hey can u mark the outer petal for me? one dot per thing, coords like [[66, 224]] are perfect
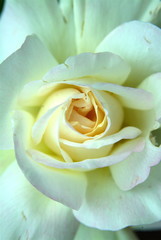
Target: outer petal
[[41, 18], [84, 233], [27, 64], [95, 19], [153, 85], [143, 43], [105, 67], [136, 168], [108, 207], [64, 186], [28, 214], [6, 158]]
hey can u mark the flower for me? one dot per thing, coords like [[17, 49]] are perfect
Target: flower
[[82, 129]]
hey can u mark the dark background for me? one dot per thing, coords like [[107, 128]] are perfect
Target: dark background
[[149, 235], [142, 235]]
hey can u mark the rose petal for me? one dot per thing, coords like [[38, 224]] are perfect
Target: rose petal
[[105, 67], [129, 97], [41, 124], [27, 213], [135, 168], [142, 41], [6, 158], [64, 186], [97, 148], [119, 154], [144, 120], [153, 85], [95, 19], [31, 15], [21, 70], [107, 207], [95, 234]]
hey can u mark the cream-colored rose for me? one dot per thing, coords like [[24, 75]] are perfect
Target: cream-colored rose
[[83, 125]]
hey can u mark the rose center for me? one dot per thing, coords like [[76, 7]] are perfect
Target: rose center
[[85, 113]]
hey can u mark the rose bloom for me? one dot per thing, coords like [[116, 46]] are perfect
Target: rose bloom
[[80, 109]]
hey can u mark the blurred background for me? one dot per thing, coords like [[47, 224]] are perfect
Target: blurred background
[[142, 235]]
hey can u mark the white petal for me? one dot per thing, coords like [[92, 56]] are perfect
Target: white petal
[[65, 186], [129, 97], [95, 19], [6, 158], [143, 43], [135, 169], [107, 207], [153, 85], [84, 233], [105, 67], [27, 64], [41, 18], [28, 214]]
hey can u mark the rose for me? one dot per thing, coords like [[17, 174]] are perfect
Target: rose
[[54, 141], [62, 177]]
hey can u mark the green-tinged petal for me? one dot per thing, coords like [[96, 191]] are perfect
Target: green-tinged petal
[[28, 214], [135, 169], [25, 65], [66, 7], [95, 19], [119, 153], [65, 186], [6, 158], [84, 233], [105, 67], [144, 120], [126, 234], [43, 18], [143, 43], [107, 207], [153, 85]]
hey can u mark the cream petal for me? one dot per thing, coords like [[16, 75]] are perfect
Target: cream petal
[[124, 133], [113, 109], [97, 148], [106, 67], [119, 154], [63, 186], [41, 124], [81, 153]]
